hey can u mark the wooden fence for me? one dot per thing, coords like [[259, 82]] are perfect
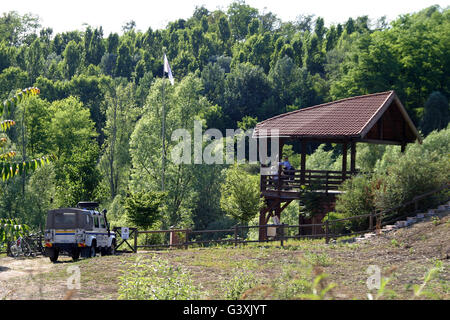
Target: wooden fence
[[283, 232]]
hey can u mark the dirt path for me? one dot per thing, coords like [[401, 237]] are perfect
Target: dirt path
[[20, 267], [23, 271]]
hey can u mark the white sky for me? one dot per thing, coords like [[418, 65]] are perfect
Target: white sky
[[63, 15]]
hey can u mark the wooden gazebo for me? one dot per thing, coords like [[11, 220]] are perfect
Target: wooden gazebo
[[375, 118]]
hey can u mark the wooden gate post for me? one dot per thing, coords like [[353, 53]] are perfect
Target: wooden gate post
[[135, 240], [281, 227], [186, 239]]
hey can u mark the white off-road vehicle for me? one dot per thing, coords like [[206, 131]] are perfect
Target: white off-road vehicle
[[78, 231]]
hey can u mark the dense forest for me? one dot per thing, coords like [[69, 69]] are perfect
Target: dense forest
[[100, 104]]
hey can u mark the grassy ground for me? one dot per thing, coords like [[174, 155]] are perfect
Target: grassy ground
[[264, 272]]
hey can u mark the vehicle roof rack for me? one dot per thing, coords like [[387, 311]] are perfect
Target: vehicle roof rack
[[87, 205]]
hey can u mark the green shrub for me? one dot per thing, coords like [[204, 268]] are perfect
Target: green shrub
[[156, 279], [337, 227], [398, 178], [291, 283], [356, 199], [238, 285], [413, 174], [322, 260]]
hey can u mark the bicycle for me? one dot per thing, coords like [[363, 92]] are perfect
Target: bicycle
[[21, 247]]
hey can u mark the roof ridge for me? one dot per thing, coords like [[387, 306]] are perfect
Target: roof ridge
[[328, 103]]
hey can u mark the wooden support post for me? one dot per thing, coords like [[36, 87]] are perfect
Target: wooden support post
[[353, 157], [262, 221], [344, 160], [378, 224], [135, 240], [301, 220], [186, 239], [235, 235], [280, 149], [303, 163], [281, 228], [327, 230], [371, 221]]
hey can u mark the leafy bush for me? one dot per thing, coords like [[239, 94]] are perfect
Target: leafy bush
[[240, 196], [238, 285], [420, 169], [314, 259], [144, 208], [398, 178], [337, 227], [156, 279], [291, 284], [357, 199]]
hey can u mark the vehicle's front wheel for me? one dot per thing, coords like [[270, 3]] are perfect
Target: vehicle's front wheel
[[92, 251], [112, 249], [75, 254]]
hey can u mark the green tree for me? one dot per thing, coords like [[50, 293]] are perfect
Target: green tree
[[9, 167], [224, 29], [240, 196], [11, 79], [121, 115], [183, 104], [240, 16], [247, 90], [18, 29], [143, 208], [72, 58], [94, 47], [436, 113], [7, 56], [124, 64], [34, 60], [72, 136]]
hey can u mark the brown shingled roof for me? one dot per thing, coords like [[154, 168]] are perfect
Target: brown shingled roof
[[347, 118]]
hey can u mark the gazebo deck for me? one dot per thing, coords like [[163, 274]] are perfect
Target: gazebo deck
[[292, 183], [292, 194]]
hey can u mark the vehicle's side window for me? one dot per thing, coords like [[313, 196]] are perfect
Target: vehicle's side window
[[95, 222], [101, 222]]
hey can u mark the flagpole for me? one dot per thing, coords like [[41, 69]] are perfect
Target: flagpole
[[163, 129]]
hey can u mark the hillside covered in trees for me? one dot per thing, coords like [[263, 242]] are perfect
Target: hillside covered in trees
[[100, 103]]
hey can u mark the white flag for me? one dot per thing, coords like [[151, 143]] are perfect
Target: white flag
[[167, 69]]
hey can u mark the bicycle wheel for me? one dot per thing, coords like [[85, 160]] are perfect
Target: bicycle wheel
[[27, 252], [15, 250]]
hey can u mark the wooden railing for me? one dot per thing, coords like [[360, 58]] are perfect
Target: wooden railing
[[292, 180]]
